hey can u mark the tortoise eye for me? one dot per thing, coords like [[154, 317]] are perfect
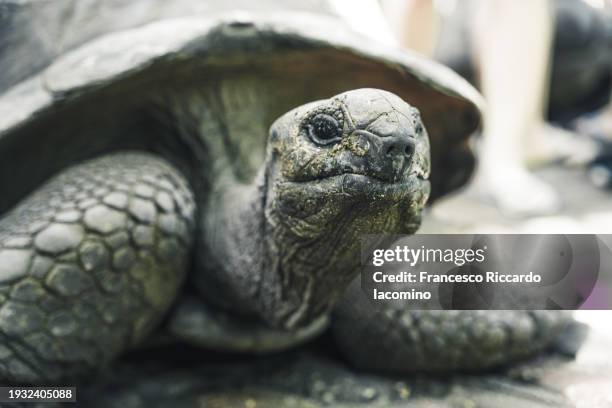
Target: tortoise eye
[[324, 129]]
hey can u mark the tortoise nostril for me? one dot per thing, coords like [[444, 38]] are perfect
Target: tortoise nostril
[[400, 148], [409, 150]]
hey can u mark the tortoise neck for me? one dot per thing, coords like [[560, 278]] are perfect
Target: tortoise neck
[[230, 248], [229, 119]]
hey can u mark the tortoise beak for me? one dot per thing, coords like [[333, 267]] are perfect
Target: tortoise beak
[[393, 158], [388, 157]]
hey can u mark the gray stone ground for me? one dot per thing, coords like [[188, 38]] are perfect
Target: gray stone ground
[[311, 378], [586, 209]]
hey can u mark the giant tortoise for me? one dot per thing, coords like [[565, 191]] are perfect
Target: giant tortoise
[[207, 178]]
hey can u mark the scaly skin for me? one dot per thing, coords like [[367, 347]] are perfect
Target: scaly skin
[[381, 339], [91, 262]]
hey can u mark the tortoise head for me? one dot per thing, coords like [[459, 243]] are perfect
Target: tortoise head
[[359, 152], [337, 169]]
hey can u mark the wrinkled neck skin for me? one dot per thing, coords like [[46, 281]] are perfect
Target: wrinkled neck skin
[[280, 251], [287, 252]]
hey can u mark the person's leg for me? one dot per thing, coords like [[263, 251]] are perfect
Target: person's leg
[[514, 39], [366, 17], [414, 22]]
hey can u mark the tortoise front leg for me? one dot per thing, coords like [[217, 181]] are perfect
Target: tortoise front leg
[[89, 264]]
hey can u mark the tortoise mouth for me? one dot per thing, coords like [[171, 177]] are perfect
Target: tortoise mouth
[[353, 184], [372, 183]]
